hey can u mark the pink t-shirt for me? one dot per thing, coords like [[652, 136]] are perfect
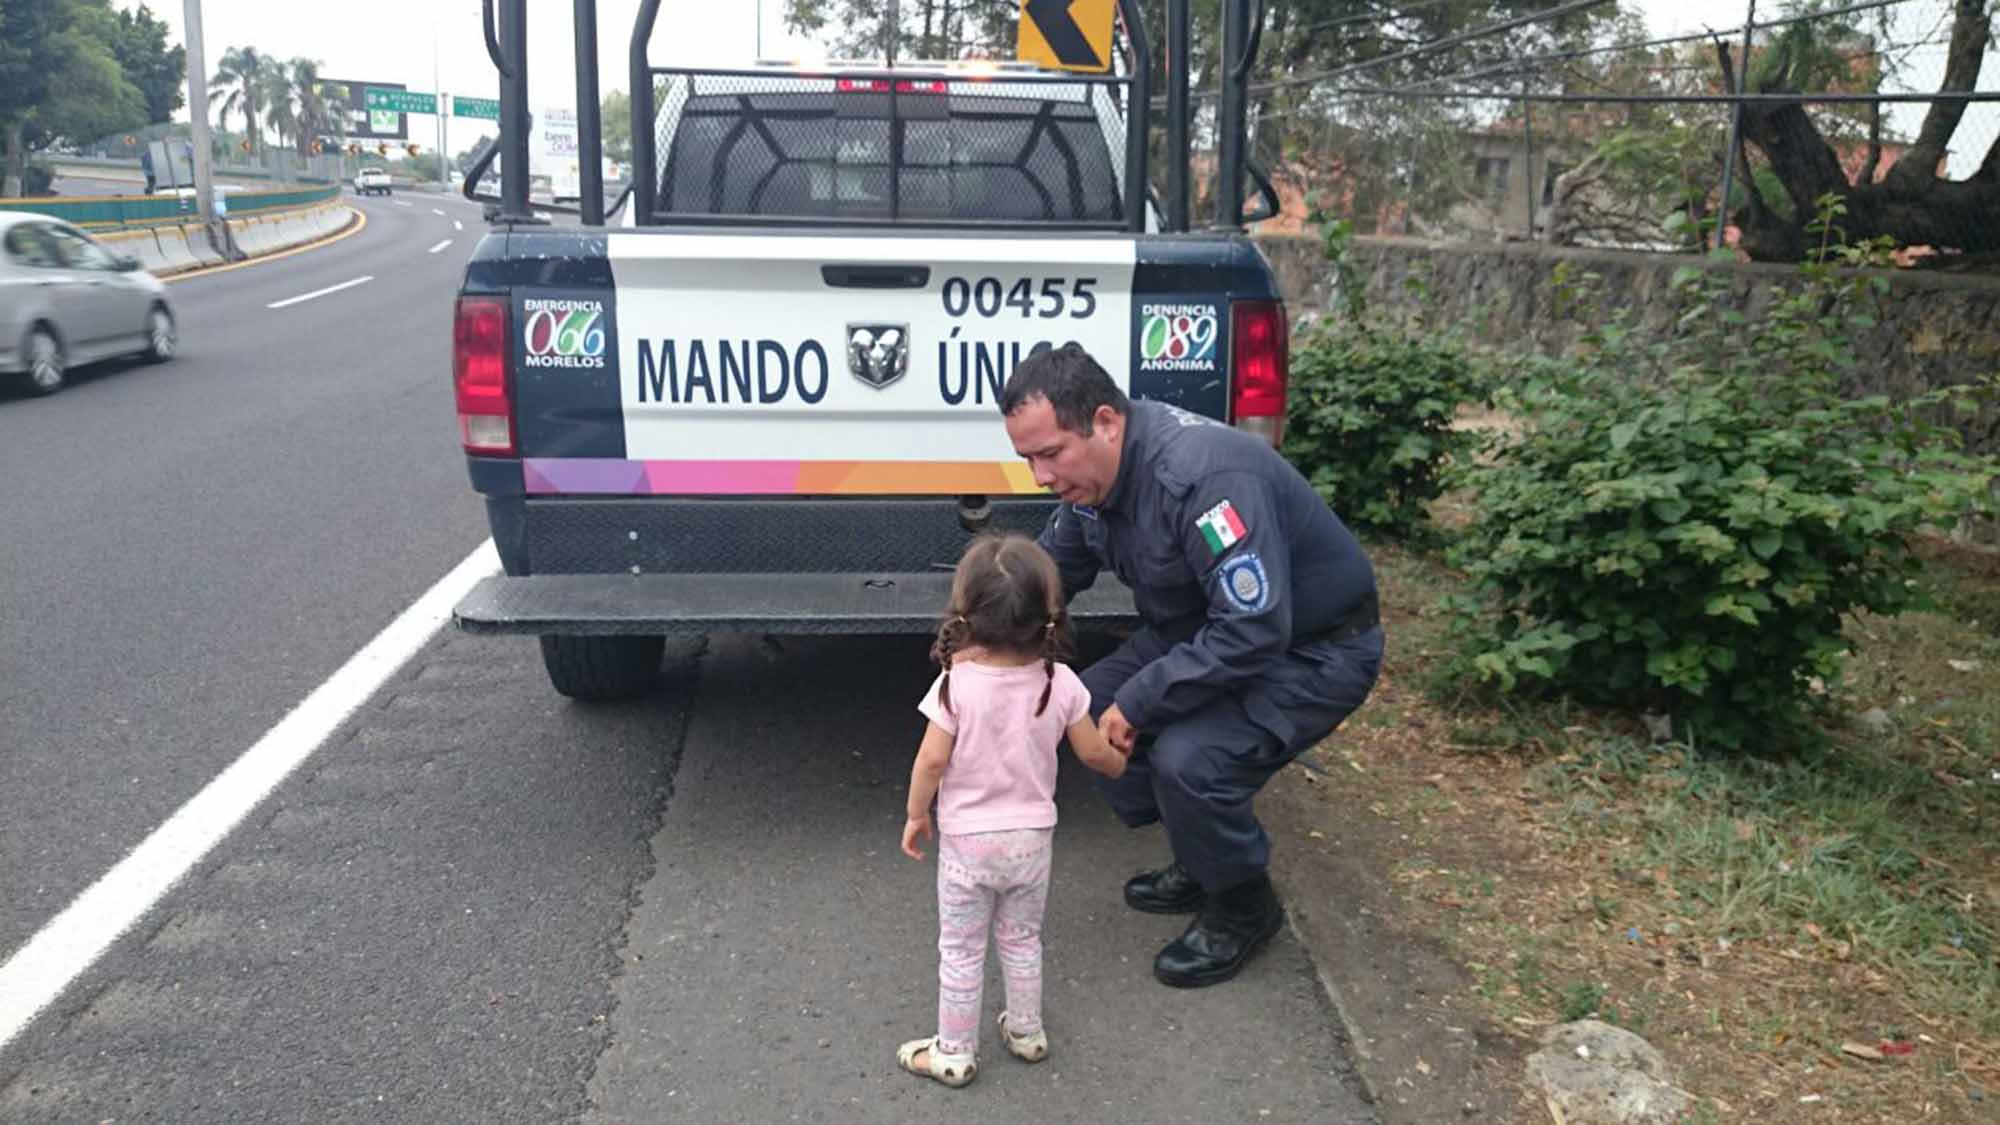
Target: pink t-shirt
[[1002, 774]]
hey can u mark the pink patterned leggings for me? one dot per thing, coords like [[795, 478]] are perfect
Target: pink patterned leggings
[[1001, 878]]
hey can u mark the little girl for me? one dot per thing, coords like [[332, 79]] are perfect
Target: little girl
[[997, 711]]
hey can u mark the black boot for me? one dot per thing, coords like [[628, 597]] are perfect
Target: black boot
[[1231, 927], [1170, 890]]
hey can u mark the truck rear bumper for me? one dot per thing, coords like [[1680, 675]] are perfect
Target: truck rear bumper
[[688, 604]]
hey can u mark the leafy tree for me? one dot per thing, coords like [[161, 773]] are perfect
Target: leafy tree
[[1380, 143], [616, 114], [159, 73], [1911, 203], [615, 111], [931, 29], [59, 78]]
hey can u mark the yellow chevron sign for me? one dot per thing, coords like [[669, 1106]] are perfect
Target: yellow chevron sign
[[1066, 34]]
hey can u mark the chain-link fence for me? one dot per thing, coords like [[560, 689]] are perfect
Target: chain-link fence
[[1627, 142]]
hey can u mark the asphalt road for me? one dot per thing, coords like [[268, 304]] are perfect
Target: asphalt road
[[477, 901]]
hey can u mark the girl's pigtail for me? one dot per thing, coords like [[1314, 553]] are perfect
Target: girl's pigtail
[[950, 635], [1049, 647]]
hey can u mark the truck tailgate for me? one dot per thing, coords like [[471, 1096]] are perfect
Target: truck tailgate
[[780, 363]]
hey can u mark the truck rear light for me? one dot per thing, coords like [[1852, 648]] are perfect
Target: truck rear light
[[908, 87], [479, 376], [1260, 362], [862, 85]]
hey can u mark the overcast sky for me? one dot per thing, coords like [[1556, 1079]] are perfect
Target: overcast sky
[[394, 40]]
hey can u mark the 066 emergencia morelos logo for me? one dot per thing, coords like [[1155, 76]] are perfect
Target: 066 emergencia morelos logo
[[562, 332], [1177, 337]]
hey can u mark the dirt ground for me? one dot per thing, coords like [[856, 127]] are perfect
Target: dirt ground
[[1464, 882]]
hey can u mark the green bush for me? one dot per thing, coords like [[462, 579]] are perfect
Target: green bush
[[37, 179], [1369, 416], [1682, 526]]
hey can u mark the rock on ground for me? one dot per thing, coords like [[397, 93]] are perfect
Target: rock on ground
[[1597, 1074]]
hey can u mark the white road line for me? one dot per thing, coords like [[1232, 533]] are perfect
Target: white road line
[[456, 225], [439, 246], [321, 292], [401, 203], [63, 949], [437, 210]]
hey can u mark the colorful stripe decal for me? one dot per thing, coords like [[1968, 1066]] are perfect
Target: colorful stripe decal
[[544, 476]]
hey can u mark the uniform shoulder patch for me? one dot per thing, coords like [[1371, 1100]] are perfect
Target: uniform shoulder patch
[[1244, 583], [1221, 527]]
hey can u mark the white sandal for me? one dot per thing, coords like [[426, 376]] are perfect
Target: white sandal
[[1032, 1048], [952, 1070]]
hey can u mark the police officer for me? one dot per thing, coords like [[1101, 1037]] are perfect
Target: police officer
[[1260, 632]]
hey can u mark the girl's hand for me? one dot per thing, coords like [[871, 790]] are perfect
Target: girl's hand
[[911, 828]]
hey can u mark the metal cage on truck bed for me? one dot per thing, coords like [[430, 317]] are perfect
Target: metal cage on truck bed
[[935, 146], [925, 132]]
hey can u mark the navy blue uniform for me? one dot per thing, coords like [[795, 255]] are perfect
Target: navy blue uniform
[[1259, 637]]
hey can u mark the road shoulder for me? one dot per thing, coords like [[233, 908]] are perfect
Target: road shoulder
[[1421, 1050]]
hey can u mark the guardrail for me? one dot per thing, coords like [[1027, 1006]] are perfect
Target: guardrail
[[111, 212], [131, 164]]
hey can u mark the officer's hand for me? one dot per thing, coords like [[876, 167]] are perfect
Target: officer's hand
[[1119, 733]]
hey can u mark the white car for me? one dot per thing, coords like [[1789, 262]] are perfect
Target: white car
[[371, 180], [66, 300]]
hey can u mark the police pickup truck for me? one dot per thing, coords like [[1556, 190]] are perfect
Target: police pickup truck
[[766, 401]]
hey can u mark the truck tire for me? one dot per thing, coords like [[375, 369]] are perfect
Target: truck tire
[[602, 668]]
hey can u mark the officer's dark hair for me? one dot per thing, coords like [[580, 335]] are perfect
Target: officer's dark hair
[[1006, 596], [1074, 384]]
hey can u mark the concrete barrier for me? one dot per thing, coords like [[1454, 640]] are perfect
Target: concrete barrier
[[140, 244], [178, 248], [204, 251], [175, 254], [256, 237], [326, 220]]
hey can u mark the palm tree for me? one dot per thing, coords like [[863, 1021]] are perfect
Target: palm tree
[[279, 100], [315, 113], [238, 86]]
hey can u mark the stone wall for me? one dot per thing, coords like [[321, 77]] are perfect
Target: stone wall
[[1937, 328]]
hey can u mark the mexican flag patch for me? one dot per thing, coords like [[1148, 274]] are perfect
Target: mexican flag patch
[[1222, 527]]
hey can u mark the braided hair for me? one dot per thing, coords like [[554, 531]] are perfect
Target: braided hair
[[1006, 596]]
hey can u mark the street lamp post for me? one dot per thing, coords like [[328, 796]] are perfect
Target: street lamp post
[[197, 73], [437, 91]]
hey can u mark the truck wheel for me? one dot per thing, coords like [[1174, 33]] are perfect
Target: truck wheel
[[602, 668]]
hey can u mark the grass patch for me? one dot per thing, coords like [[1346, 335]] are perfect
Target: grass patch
[[1752, 915]]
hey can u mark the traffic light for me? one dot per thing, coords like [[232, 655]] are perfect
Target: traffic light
[[319, 147], [354, 149], [382, 149], [414, 149], [244, 144]]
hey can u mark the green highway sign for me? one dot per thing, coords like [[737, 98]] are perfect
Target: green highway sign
[[399, 101], [462, 106]]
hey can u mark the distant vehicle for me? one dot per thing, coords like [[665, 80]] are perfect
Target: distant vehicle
[[66, 300], [371, 181]]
